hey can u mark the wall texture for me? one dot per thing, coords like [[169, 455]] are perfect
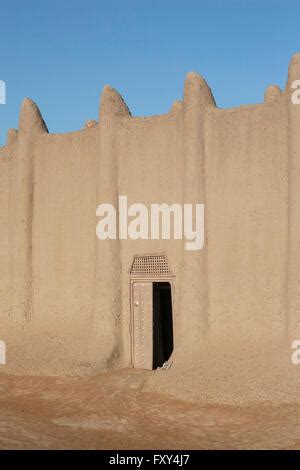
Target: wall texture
[[64, 294]]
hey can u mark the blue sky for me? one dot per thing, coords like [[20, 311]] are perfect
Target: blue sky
[[62, 53]]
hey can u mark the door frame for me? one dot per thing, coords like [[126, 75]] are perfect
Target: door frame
[[142, 279]]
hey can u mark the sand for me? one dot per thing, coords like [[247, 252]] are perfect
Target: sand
[[116, 411]]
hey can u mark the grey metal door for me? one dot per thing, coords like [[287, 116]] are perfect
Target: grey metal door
[[142, 325]]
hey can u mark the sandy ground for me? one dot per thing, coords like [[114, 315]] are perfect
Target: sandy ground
[[116, 411]]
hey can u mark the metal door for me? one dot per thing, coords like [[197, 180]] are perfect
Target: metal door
[[142, 325]]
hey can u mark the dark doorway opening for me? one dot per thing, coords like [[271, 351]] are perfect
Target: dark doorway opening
[[162, 323]]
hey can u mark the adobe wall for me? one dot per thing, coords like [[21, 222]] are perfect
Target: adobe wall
[[64, 294], [5, 261]]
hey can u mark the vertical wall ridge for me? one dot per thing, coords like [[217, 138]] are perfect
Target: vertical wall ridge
[[108, 270], [194, 288], [31, 125], [293, 284]]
